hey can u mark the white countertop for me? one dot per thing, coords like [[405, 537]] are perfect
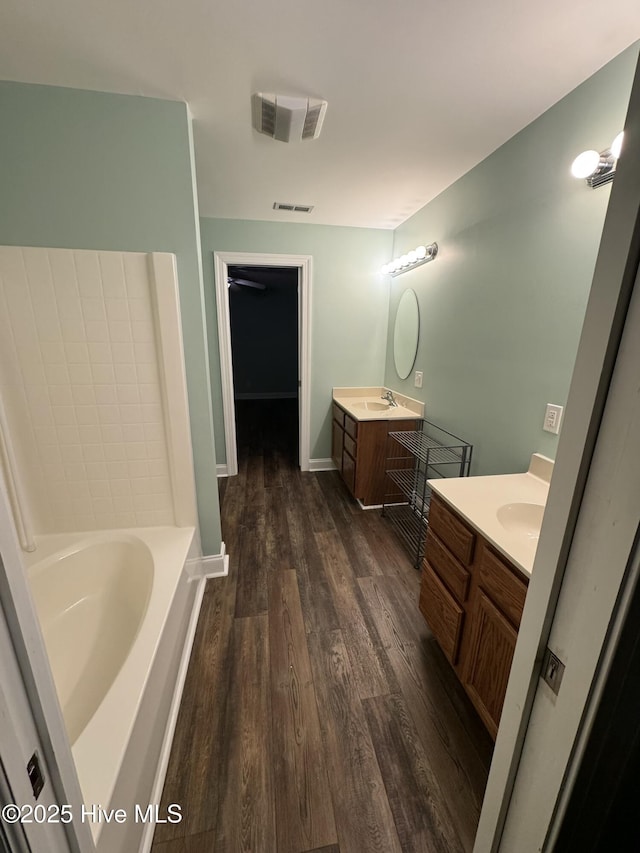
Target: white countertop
[[478, 499], [352, 400]]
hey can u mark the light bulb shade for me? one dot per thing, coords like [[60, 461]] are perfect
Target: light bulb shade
[[421, 252], [616, 145], [413, 257], [585, 164]]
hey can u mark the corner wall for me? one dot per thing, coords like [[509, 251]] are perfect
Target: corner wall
[[89, 170], [502, 306]]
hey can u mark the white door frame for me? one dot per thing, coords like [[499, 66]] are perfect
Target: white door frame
[[19, 738], [29, 707], [222, 262]]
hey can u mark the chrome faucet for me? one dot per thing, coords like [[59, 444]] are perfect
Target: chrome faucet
[[388, 396]]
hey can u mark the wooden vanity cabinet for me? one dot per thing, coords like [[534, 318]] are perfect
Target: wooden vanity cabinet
[[489, 658], [472, 599], [360, 452]]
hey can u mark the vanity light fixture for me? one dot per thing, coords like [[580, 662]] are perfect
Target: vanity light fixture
[[418, 256], [598, 168]]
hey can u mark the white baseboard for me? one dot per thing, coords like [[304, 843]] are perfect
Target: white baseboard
[[165, 752], [322, 465], [213, 566], [267, 395], [222, 470], [369, 506]]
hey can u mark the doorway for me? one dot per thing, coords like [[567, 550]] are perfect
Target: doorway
[[263, 313], [236, 275]]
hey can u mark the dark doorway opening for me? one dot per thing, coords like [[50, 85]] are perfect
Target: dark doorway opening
[[263, 310]]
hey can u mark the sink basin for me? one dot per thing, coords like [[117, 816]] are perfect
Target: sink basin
[[522, 518], [372, 406]]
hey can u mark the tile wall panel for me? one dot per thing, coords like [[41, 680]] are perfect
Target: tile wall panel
[[81, 389]]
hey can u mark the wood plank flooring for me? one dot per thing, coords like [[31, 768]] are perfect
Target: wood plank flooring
[[319, 715]]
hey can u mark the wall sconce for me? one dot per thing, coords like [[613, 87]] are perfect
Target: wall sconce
[[598, 168], [417, 257]]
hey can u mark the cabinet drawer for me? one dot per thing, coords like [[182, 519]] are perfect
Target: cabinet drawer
[[349, 470], [338, 414], [500, 582], [443, 614], [349, 445], [350, 426], [451, 531], [454, 575]]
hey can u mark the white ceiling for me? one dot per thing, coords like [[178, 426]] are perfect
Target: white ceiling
[[419, 91]]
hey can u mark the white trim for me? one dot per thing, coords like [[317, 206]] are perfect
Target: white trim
[[304, 263], [30, 652], [267, 395], [165, 300], [222, 470], [366, 507], [213, 566], [19, 738], [322, 465], [165, 752]]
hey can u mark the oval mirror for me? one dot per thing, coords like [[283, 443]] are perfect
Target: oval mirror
[[405, 334]]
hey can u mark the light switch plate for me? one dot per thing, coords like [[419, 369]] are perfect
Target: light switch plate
[[552, 418], [417, 379]]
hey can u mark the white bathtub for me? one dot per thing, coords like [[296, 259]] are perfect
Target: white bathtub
[[105, 603]]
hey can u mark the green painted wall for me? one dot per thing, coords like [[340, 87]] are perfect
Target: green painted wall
[[502, 306], [89, 170], [349, 306]]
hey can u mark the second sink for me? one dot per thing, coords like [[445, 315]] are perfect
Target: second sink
[[523, 518], [372, 406]]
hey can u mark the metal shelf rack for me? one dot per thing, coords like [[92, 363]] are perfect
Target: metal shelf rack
[[416, 456]]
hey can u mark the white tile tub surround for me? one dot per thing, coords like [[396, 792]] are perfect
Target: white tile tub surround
[[82, 376]]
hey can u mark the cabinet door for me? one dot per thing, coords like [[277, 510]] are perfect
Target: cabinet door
[[349, 471], [337, 442], [443, 614], [489, 660]]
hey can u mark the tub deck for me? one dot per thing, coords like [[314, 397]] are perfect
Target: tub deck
[[100, 747]]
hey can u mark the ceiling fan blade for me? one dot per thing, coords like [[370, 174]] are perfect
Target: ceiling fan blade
[[243, 282]]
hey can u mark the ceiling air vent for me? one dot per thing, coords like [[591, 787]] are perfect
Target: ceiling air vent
[[293, 208], [287, 119]]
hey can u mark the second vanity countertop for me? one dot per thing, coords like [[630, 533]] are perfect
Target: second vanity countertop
[[506, 509], [366, 404]]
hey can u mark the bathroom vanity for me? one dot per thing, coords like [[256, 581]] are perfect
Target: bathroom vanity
[[479, 552], [361, 422]]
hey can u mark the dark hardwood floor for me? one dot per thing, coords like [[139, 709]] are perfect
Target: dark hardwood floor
[[319, 715]]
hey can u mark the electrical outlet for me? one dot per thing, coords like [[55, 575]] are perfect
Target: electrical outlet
[[552, 418], [417, 379]]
